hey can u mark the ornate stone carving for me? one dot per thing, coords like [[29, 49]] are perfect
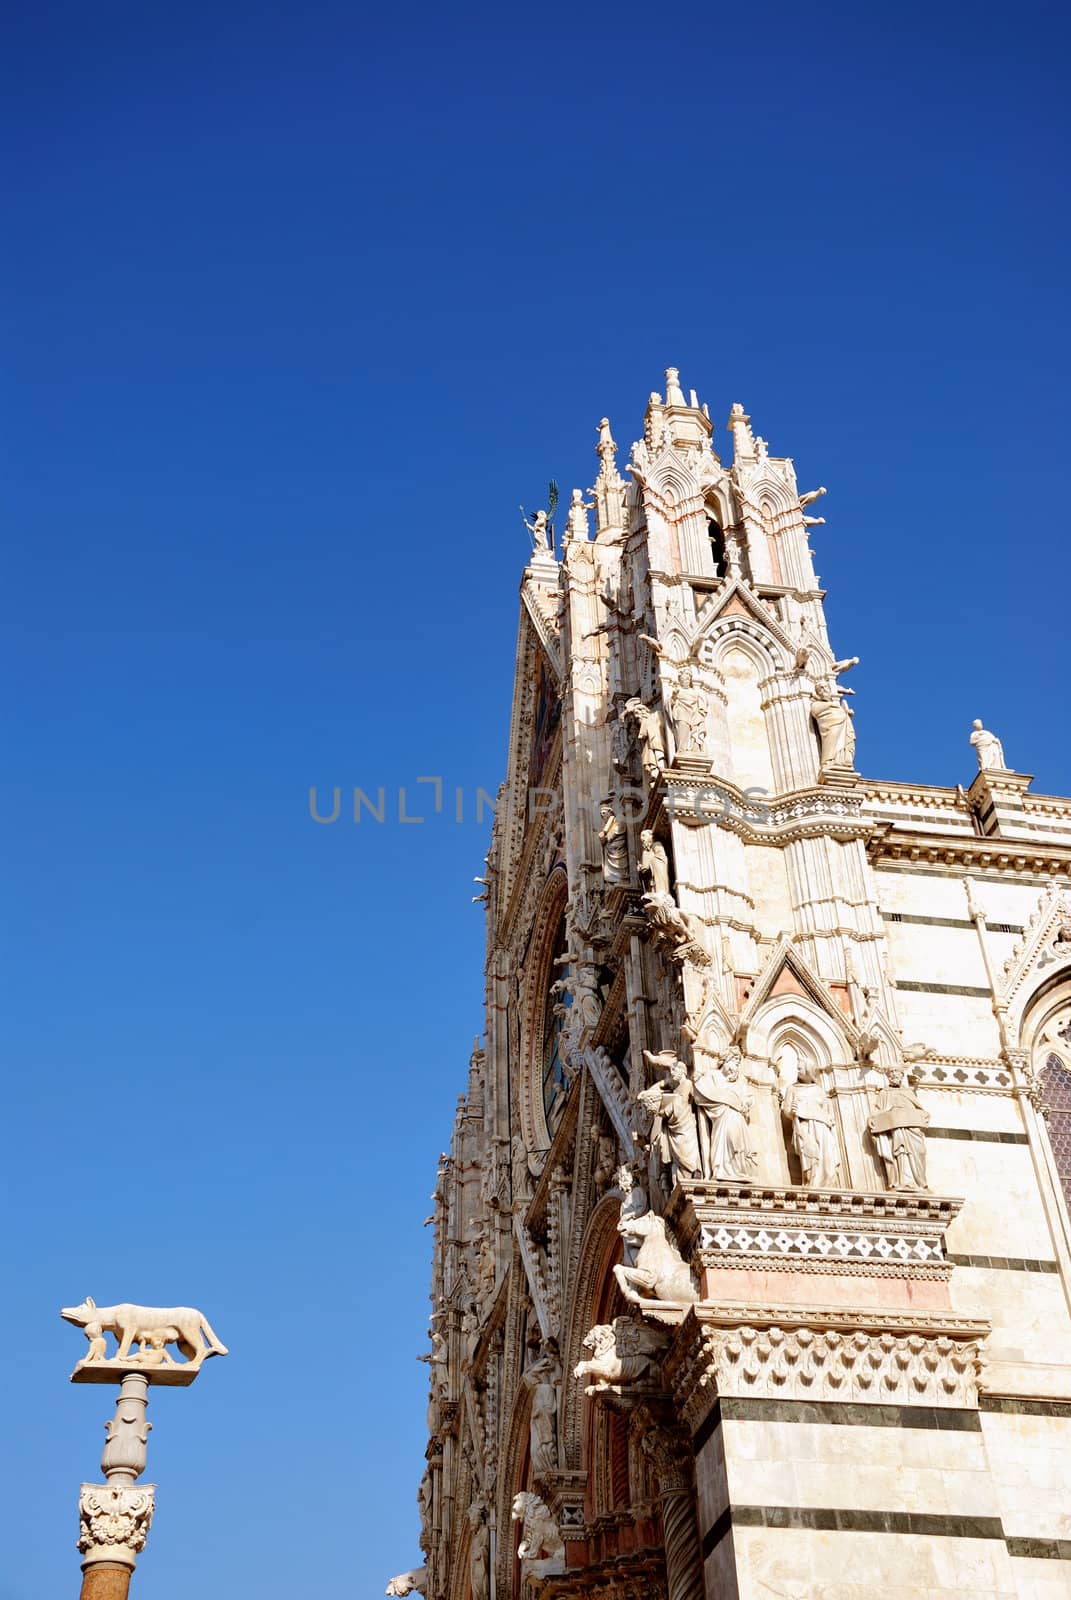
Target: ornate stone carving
[[673, 1130], [634, 1203], [817, 1362], [988, 749], [814, 1129], [520, 1176], [724, 1107], [605, 1156], [413, 1582], [614, 840], [479, 1552], [152, 1328], [896, 1125], [622, 1353], [669, 925], [650, 735], [833, 719], [660, 1271], [688, 709], [576, 522], [542, 1548], [544, 1378], [114, 1521]]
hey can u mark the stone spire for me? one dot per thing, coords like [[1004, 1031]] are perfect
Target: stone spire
[[739, 425], [609, 488]]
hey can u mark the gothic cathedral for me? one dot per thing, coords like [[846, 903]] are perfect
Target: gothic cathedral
[[752, 1269]]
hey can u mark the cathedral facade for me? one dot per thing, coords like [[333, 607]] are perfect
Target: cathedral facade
[[752, 1268]]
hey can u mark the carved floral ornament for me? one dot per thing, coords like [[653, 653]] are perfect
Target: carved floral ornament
[[114, 1521], [913, 1366]]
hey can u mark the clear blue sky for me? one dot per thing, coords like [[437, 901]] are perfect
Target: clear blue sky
[[299, 303]]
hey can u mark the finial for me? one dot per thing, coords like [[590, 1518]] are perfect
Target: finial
[[739, 425], [674, 393]]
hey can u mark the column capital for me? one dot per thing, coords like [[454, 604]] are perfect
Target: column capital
[[114, 1522]]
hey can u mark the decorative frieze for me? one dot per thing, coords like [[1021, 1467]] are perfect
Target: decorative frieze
[[938, 1364], [791, 1246]]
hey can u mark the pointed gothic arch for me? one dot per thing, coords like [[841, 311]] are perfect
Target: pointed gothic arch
[[1046, 1038]]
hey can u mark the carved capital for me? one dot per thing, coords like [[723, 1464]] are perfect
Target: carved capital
[[114, 1522], [672, 1458]]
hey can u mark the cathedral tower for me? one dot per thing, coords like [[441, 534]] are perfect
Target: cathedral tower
[[752, 1269]]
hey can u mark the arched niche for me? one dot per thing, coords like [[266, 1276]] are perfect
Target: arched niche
[[788, 1031], [743, 668], [1046, 1036], [593, 1297], [543, 1083], [604, 1445]]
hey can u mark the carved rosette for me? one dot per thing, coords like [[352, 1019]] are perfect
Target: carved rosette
[[114, 1521], [796, 1360]]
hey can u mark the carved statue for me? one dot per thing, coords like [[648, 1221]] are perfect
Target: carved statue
[[576, 526], [541, 526], [479, 1551], [670, 1104], [538, 528], [897, 1123], [153, 1351], [724, 1110], [519, 1173], [654, 865], [688, 709], [181, 1325], [582, 984], [660, 1272], [810, 497], [621, 1352], [988, 749], [605, 1156], [833, 720], [633, 1204], [613, 838], [652, 738], [541, 1542], [543, 1377], [814, 1129], [414, 1582]]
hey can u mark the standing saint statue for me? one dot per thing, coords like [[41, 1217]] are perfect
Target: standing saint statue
[[724, 1108], [898, 1124], [673, 1132], [613, 838], [814, 1129], [651, 736], [833, 720], [654, 864], [479, 1551], [988, 749], [633, 1204], [544, 1377], [688, 709]]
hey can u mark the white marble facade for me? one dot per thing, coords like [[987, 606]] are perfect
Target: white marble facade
[[788, 1048]]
